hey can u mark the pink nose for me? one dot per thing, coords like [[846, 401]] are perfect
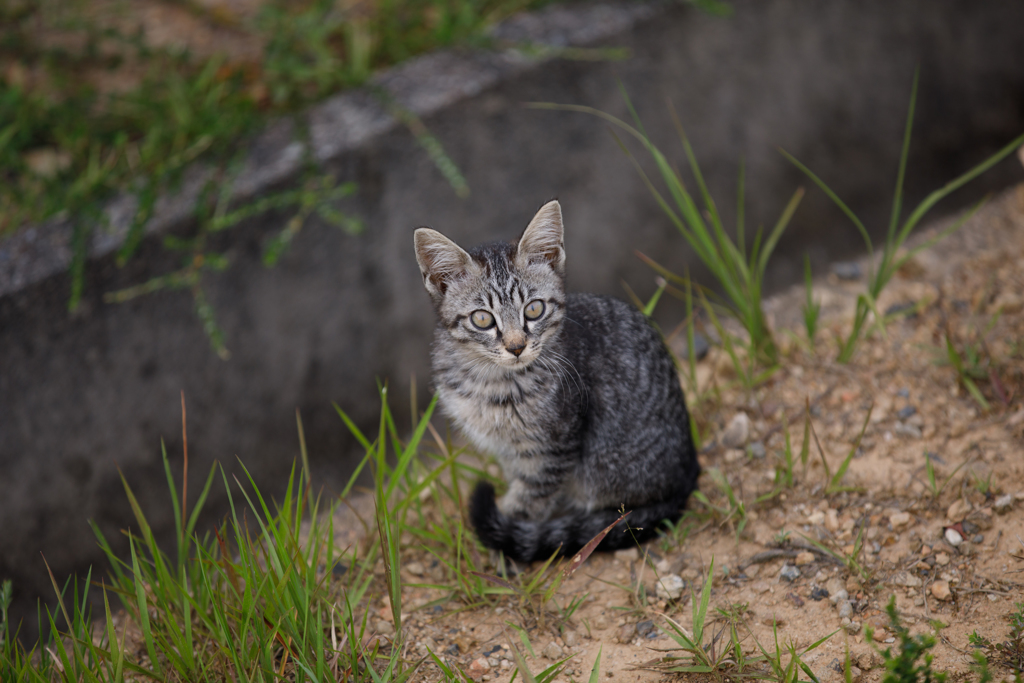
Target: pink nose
[[515, 350]]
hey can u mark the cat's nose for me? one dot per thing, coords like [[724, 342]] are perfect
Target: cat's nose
[[516, 349]]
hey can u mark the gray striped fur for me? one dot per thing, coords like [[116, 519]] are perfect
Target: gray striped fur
[[581, 406]]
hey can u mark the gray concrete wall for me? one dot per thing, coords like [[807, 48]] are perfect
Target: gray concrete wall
[[85, 394]]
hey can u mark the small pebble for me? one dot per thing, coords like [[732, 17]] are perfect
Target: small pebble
[[818, 593], [940, 590], [942, 559], [846, 270], [953, 537], [804, 558], [414, 568], [478, 667], [904, 413], [907, 430], [899, 519], [670, 587], [700, 347], [757, 450], [845, 609], [627, 554], [738, 431], [840, 595], [1003, 504], [789, 573], [958, 510], [645, 628], [977, 539], [552, 651], [852, 627]]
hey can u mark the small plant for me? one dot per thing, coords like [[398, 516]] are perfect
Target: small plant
[[905, 666], [1009, 652], [720, 653], [833, 480], [811, 308], [893, 256], [934, 487], [733, 510], [785, 475]]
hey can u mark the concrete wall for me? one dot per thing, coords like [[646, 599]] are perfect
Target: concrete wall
[[85, 394]]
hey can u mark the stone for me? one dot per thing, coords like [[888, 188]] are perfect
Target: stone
[[757, 450], [670, 587], [701, 346], [494, 662], [571, 638], [958, 510], [626, 633], [645, 628], [907, 430], [940, 590], [852, 627], [906, 579], [818, 593], [834, 585], [832, 520], [942, 559], [839, 596], [846, 270], [384, 627], [845, 609], [789, 573], [737, 432], [804, 558], [415, 568], [552, 651], [899, 520], [627, 554], [905, 413], [478, 667], [1003, 504], [600, 623], [953, 537], [816, 518]]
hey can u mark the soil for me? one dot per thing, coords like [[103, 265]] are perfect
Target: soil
[[952, 554]]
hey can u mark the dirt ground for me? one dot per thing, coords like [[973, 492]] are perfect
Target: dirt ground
[[955, 556]]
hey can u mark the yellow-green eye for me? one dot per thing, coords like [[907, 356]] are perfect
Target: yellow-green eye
[[534, 309], [482, 320]]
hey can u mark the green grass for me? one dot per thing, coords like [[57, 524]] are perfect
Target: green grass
[[66, 147], [893, 254], [714, 645], [736, 265]]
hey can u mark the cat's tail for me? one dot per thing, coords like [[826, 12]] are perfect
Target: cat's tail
[[529, 541]]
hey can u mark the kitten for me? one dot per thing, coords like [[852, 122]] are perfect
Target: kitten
[[575, 395]]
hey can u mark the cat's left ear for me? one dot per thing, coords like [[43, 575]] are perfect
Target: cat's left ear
[[542, 240]]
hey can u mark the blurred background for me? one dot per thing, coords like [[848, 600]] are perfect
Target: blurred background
[[217, 198]]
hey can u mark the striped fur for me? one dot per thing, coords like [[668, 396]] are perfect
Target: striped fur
[[581, 404]]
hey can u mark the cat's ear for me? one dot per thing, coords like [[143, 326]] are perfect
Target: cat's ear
[[542, 240], [441, 261]]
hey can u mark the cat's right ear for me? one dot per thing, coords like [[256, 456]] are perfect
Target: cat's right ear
[[542, 240], [441, 261]]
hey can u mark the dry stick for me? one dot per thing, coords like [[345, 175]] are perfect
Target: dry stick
[[184, 483]]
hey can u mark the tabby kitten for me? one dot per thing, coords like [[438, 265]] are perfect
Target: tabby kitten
[[575, 394]]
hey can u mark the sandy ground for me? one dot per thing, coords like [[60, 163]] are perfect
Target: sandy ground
[[955, 556]]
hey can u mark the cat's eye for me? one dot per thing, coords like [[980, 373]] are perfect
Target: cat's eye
[[534, 309], [482, 320]]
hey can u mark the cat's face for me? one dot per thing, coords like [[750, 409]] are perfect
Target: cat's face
[[502, 302]]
